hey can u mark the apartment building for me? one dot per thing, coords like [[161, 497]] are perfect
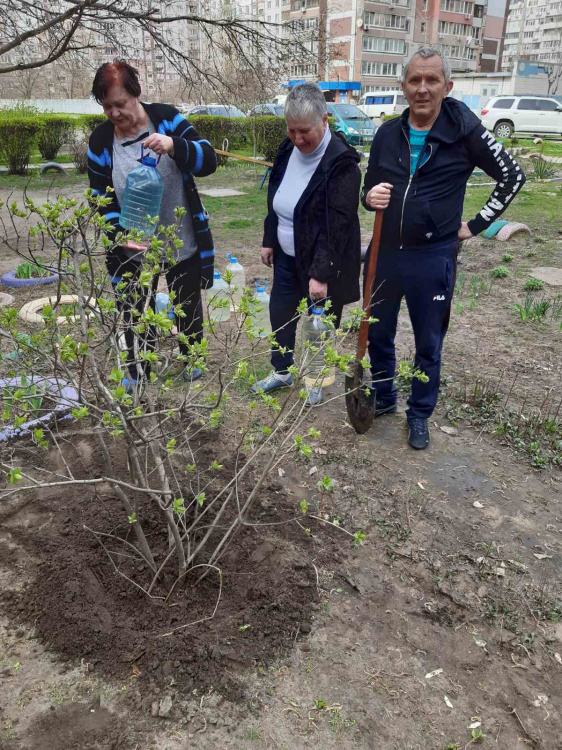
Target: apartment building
[[368, 42], [533, 32], [102, 41]]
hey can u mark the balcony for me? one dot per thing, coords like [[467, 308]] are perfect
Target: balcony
[[303, 4], [391, 3]]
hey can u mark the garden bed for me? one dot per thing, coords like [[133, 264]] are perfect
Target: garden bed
[[461, 569]]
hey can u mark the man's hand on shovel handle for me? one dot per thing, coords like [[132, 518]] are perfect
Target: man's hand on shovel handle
[[378, 197]]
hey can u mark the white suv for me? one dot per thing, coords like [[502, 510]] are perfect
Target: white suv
[[523, 114]]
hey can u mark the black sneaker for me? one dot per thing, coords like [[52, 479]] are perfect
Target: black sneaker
[[382, 408], [418, 433]]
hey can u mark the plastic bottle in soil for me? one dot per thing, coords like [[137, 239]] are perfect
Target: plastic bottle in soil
[[143, 196], [238, 280], [219, 291], [162, 301], [260, 319], [317, 333]]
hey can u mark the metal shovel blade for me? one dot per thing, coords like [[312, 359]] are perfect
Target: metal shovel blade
[[359, 400]]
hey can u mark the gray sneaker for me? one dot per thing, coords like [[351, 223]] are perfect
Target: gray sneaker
[[273, 382]]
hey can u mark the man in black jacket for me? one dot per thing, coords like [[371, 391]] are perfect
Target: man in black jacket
[[418, 169]]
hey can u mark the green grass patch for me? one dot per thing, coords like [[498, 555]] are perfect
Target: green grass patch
[[33, 180], [239, 223]]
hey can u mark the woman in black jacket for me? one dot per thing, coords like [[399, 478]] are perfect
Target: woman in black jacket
[[114, 150], [311, 234]]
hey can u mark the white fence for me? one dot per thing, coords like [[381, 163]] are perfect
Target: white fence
[[60, 106]]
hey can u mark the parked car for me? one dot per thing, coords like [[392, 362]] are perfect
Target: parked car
[[216, 109], [381, 103], [538, 115], [354, 124], [261, 110]]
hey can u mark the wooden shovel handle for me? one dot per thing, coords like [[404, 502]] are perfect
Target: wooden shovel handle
[[369, 282]]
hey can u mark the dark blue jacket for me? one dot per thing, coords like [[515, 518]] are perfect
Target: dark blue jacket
[[426, 209], [192, 155]]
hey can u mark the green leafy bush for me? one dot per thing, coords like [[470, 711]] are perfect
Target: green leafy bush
[[267, 133], [18, 136], [90, 122], [542, 170], [56, 131], [29, 270], [507, 257], [390, 117], [534, 285], [499, 272], [215, 129]]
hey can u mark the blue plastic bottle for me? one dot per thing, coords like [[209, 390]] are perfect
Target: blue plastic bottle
[[162, 302], [143, 196]]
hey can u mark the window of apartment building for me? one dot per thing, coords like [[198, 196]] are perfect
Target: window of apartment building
[[370, 89], [386, 21], [304, 70], [303, 4], [423, 27], [379, 69], [456, 6], [454, 29], [424, 5], [478, 11], [375, 44], [528, 34], [301, 24], [457, 52]]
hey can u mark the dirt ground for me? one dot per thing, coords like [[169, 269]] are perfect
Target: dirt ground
[[442, 631]]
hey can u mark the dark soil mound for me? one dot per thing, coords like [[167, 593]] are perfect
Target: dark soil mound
[[83, 609]]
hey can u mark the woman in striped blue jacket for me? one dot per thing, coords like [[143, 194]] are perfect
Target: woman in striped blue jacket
[[114, 150]]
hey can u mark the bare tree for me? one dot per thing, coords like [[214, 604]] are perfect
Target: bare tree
[[36, 34], [26, 83]]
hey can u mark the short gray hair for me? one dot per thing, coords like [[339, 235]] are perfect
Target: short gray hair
[[305, 102], [426, 52]]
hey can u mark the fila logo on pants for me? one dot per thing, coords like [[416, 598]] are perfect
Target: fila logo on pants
[[438, 297]]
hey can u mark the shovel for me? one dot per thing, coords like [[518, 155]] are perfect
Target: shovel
[[359, 399]]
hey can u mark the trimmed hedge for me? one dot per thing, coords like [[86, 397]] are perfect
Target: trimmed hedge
[[267, 133], [56, 131], [215, 129], [90, 122], [18, 136]]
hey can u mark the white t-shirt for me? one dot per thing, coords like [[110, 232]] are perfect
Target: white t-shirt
[[299, 170]]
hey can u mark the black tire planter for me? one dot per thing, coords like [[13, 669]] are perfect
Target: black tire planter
[[64, 394], [9, 279], [52, 165]]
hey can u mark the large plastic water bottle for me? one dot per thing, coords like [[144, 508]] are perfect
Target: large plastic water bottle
[[316, 334], [143, 196], [238, 280], [260, 318], [219, 291]]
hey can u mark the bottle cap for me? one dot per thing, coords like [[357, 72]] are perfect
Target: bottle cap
[[261, 285], [216, 275], [317, 310], [233, 259], [148, 161]]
